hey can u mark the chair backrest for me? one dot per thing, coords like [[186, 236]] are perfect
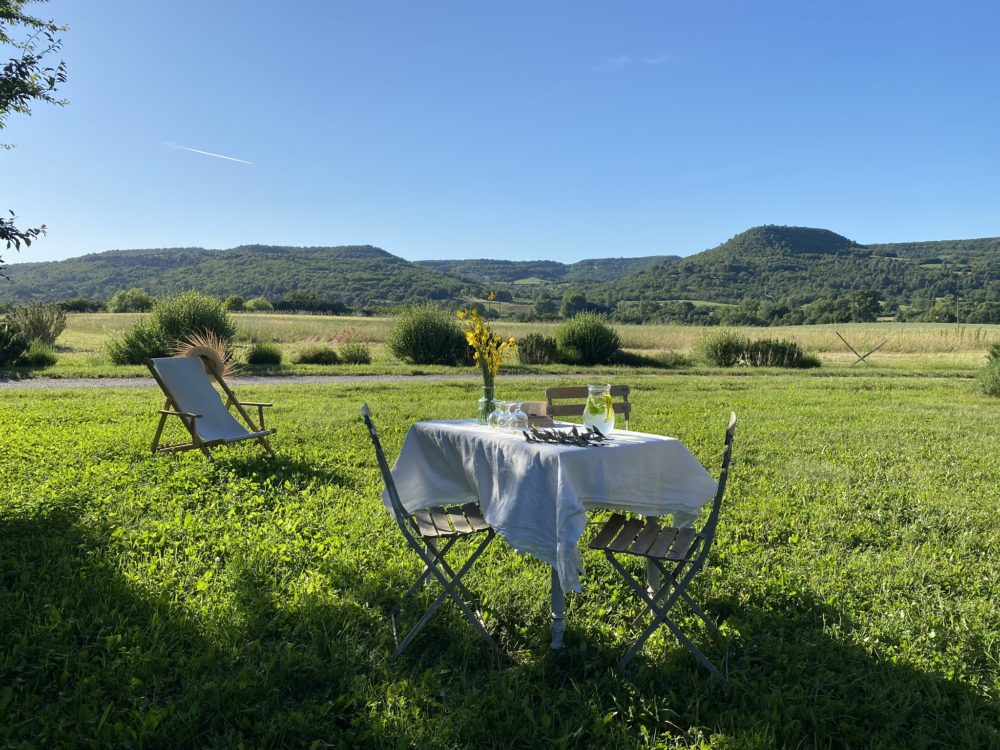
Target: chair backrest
[[707, 532], [406, 523], [185, 382], [578, 394]]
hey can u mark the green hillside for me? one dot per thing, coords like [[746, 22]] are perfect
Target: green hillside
[[355, 276], [485, 271], [802, 265]]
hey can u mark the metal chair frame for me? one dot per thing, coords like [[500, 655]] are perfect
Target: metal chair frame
[[678, 554], [423, 531]]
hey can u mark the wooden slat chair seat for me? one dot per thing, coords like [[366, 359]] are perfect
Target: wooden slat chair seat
[[677, 553], [431, 533], [191, 397], [577, 394]]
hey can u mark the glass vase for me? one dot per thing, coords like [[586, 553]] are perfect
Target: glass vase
[[486, 404]]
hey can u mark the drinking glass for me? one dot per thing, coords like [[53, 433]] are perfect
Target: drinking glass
[[518, 417], [493, 420]]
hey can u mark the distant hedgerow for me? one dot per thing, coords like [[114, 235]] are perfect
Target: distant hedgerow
[[727, 348]]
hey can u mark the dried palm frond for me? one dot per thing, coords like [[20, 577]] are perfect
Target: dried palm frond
[[212, 350]]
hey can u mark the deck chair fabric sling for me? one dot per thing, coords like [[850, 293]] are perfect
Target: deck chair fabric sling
[[192, 398], [678, 553], [578, 395], [431, 533]]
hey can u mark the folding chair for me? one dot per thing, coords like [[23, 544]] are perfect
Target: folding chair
[[191, 398], [678, 554], [578, 394], [431, 534]]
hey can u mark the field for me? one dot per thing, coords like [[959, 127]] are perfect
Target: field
[[171, 602], [907, 347]]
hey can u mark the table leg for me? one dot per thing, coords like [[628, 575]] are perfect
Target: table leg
[[558, 611]]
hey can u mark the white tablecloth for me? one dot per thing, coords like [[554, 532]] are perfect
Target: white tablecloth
[[536, 494]]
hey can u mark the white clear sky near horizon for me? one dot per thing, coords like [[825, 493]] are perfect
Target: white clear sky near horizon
[[518, 130]]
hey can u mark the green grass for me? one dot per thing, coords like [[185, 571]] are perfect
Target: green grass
[[910, 348], [168, 602]]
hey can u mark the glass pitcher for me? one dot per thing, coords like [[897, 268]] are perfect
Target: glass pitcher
[[599, 411]]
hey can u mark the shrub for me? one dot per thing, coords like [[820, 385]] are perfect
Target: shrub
[[233, 303], [13, 344], [133, 300], [82, 305], [722, 348], [317, 355], [587, 340], [777, 353], [993, 353], [40, 322], [39, 355], [258, 304], [536, 349], [172, 320], [427, 335], [263, 353], [355, 353], [990, 379]]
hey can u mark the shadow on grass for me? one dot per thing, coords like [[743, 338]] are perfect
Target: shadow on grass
[[282, 468], [89, 658]]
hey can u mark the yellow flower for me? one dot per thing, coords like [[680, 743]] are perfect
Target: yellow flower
[[489, 350]]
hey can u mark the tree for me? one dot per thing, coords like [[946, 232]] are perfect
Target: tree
[[24, 80]]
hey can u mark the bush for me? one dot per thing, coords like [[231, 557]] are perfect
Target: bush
[[258, 304], [233, 303], [82, 305], [133, 300], [726, 348], [427, 335], [13, 344], [722, 348], [172, 320], [39, 355], [263, 353], [587, 340], [990, 379], [317, 355], [536, 349], [993, 353], [40, 322], [777, 353], [355, 353]]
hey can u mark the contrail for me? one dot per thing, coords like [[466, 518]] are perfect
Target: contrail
[[209, 153]]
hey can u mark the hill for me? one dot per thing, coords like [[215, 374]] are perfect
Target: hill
[[802, 265], [485, 271], [355, 276]]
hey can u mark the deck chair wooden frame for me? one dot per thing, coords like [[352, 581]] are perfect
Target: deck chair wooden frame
[[431, 533], [578, 395], [678, 553], [187, 384]]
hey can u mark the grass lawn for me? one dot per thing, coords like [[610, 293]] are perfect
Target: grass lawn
[[171, 602]]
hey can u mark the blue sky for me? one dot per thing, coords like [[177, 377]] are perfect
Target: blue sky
[[520, 130]]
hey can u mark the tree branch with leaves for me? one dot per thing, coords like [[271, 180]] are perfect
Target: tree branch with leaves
[[25, 79]]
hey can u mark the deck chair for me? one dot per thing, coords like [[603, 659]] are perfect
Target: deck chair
[[431, 534], [190, 396], [578, 395], [678, 554]]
